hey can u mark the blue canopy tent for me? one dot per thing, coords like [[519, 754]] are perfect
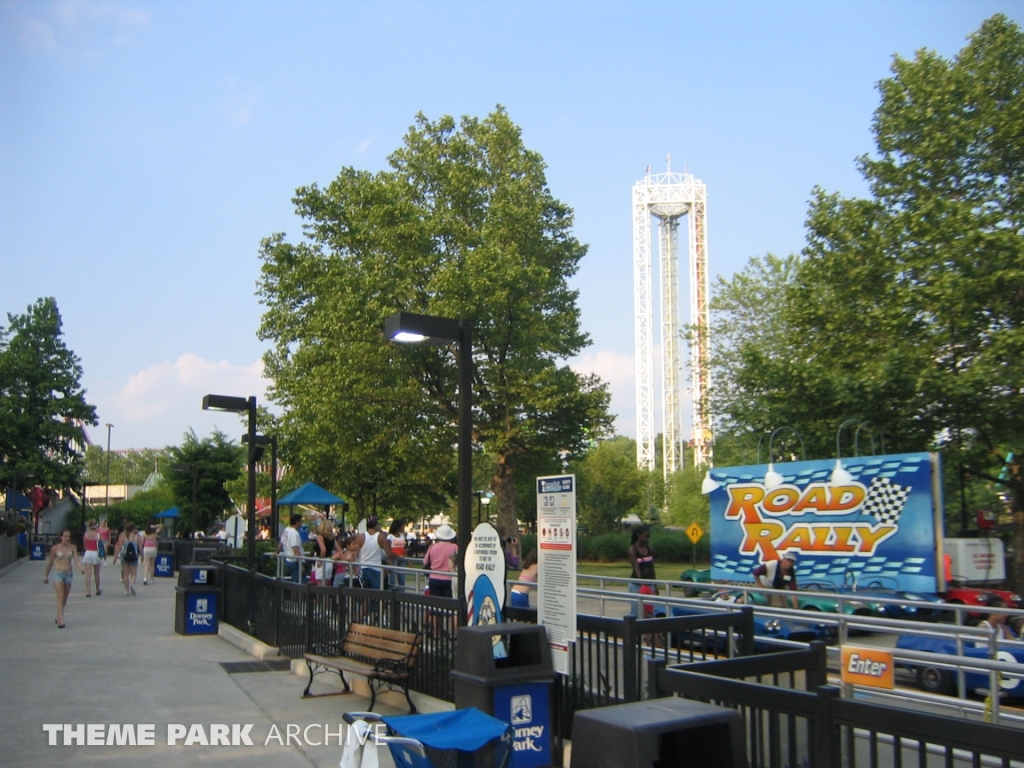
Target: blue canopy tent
[[312, 494], [172, 512]]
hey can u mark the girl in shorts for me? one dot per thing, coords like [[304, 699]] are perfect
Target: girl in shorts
[[91, 558], [62, 555], [149, 548]]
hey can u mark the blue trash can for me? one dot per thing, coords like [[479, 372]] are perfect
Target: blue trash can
[[37, 550], [513, 685], [164, 565]]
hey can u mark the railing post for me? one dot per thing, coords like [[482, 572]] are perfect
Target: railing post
[[276, 596], [309, 618], [818, 675], [630, 660], [654, 666], [747, 649], [827, 739]]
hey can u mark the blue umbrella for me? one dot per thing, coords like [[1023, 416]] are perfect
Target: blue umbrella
[[310, 493], [172, 512]]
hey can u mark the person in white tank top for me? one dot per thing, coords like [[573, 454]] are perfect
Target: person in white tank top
[[373, 548]]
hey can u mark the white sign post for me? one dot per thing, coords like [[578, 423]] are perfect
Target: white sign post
[[556, 565], [485, 577]]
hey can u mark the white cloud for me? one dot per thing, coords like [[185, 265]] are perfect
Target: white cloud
[[66, 22], [156, 406], [363, 146]]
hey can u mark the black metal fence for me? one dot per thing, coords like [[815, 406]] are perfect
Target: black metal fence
[[793, 718], [299, 618]]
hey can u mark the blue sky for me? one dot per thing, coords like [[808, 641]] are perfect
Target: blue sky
[[146, 148]]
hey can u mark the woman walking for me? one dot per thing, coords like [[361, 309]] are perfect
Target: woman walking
[[128, 546], [92, 558], [396, 538], [641, 557], [149, 549], [104, 532], [62, 554], [521, 592]]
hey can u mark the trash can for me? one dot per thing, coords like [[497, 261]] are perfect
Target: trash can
[[196, 600], [164, 565], [37, 550], [667, 733], [504, 670]]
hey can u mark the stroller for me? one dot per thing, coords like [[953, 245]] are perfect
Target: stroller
[[463, 738]]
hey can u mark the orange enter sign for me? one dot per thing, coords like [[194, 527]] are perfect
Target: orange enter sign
[[867, 666]]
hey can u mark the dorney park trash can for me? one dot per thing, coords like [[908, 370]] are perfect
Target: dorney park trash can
[[662, 733], [164, 565], [505, 670], [196, 600]]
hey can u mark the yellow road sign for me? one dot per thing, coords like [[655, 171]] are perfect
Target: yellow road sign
[[694, 532]]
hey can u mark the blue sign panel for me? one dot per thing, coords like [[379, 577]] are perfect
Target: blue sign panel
[[525, 707], [201, 576], [874, 518], [304, 533], [37, 551], [201, 613], [164, 565]]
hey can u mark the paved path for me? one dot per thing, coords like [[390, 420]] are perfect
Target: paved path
[[120, 661]]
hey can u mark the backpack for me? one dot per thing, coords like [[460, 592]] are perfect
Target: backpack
[[130, 553]]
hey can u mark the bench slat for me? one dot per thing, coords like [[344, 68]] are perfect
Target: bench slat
[[383, 632]]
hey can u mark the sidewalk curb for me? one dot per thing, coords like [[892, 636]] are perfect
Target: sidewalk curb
[[247, 643]]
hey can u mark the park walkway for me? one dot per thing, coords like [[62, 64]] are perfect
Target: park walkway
[[119, 661]]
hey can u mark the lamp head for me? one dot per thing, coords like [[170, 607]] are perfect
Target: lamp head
[[841, 476], [772, 479], [429, 330], [225, 403], [709, 484]]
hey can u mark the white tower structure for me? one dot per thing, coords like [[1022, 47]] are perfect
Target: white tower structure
[[668, 197]]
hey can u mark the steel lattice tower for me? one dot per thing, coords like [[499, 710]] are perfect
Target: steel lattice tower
[[668, 197]]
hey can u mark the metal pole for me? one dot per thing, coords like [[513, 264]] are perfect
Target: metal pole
[[195, 484], [251, 500], [465, 455], [109, 428], [274, 526]]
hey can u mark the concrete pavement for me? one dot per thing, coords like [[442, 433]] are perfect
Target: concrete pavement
[[120, 662]]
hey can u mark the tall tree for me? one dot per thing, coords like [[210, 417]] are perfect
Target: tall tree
[[907, 307], [42, 402], [462, 226], [214, 460], [610, 485]]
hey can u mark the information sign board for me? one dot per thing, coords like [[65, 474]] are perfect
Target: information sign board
[[556, 564]]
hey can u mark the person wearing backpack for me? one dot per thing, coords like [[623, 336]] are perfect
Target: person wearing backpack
[[128, 547]]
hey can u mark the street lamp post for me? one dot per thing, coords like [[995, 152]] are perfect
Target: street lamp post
[[261, 441], [243, 405], [109, 428], [408, 328]]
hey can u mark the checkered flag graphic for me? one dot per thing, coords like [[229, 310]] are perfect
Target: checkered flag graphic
[[885, 500]]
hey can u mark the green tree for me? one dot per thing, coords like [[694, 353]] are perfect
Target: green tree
[[130, 467], [907, 307], [609, 485], [141, 509], [42, 403], [462, 226], [217, 460]]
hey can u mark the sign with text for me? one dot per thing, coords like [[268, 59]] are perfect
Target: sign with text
[[526, 708], [882, 522], [485, 581], [867, 666], [556, 564]]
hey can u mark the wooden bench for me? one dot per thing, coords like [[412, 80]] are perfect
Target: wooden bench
[[393, 653]]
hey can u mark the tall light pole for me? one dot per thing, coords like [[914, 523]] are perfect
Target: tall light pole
[[243, 405], [407, 328], [109, 428]]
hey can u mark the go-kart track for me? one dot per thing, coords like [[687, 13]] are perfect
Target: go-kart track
[[942, 664]]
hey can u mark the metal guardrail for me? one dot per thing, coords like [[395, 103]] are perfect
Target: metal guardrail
[[809, 724]]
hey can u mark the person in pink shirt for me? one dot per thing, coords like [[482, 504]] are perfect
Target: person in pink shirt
[[441, 557]]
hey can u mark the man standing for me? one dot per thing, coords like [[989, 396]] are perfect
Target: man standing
[[291, 544], [778, 574], [374, 549]]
